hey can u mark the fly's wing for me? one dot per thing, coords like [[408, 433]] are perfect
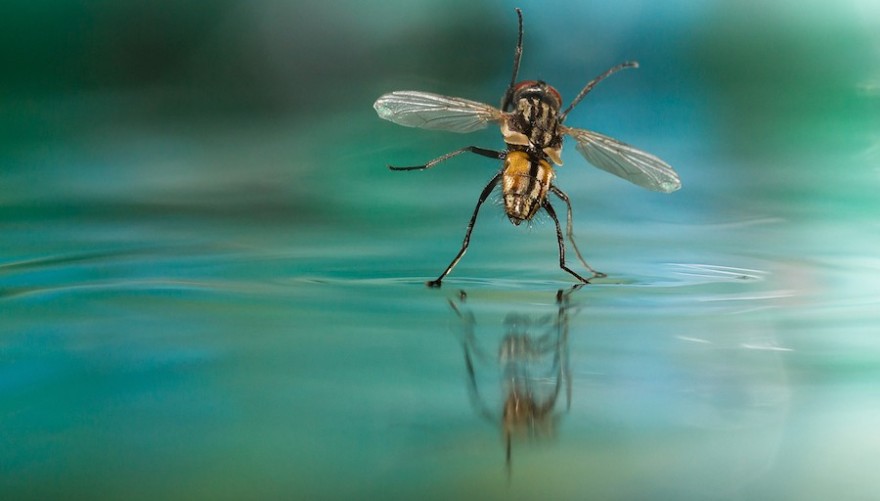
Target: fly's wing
[[432, 111], [624, 161]]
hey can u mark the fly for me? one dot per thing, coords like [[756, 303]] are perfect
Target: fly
[[532, 127]]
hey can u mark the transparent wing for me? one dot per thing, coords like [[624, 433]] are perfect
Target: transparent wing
[[623, 160], [432, 111]]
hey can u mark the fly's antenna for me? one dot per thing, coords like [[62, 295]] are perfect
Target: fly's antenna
[[593, 82], [517, 55]]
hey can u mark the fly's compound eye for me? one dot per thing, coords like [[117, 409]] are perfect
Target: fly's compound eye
[[551, 91], [525, 87]]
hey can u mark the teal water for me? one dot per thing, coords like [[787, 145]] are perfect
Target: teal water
[[148, 354], [225, 304]]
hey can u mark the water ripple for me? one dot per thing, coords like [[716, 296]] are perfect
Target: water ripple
[[713, 272]]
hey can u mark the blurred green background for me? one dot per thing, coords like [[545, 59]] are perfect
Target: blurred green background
[[211, 285], [267, 103]]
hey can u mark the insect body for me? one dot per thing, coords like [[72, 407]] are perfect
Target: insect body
[[532, 127], [525, 183]]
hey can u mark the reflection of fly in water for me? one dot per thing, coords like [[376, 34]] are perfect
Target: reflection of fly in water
[[531, 123], [533, 365]]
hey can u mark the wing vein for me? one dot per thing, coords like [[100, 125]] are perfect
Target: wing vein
[[625, 161], [433, 111]]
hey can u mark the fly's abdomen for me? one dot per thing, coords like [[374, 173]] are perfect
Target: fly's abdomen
[[525, 185]]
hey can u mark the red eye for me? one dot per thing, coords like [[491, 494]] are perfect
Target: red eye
[[555, 93], [522, 85]]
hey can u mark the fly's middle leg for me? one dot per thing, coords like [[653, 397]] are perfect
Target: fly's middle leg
[[498, 155], [470, 228]]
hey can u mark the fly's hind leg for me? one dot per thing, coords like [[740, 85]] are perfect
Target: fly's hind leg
[[470, 228], [570, 232]]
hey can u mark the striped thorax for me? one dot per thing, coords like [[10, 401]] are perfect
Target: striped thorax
[[533, 124]]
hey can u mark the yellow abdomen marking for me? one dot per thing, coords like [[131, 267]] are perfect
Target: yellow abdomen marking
[[525, 184]]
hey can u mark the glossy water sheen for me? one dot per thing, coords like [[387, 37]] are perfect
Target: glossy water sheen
[[154, 358], [235, 309]]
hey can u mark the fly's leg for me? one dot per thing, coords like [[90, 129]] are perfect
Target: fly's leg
[[517, 55], [467, 236], [561, 240], [570, 232], [498, 155]]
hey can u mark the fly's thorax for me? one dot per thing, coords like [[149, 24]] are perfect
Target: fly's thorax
[[525, 184], [534, 120]]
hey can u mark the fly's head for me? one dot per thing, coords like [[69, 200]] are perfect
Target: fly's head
[[533, 123], [531, 90]]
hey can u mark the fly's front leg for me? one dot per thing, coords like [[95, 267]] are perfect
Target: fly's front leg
[[498, 155], [470, 228], [561, 240], [517, 56], [570, 232]]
